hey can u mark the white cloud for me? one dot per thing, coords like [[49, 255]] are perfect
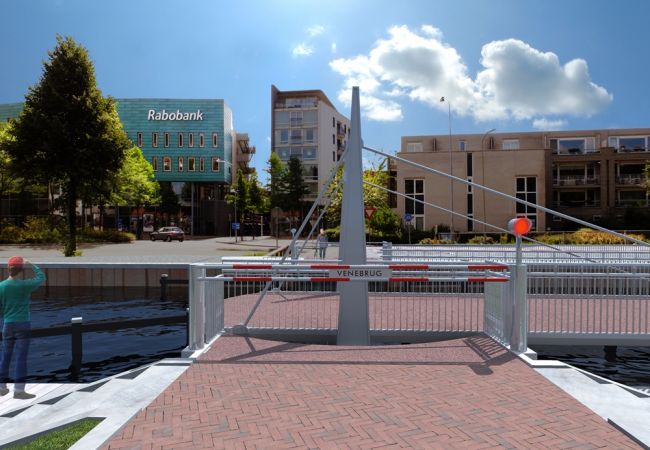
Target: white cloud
[[545, 124], [302, 49], [315, 30], [517, 81]]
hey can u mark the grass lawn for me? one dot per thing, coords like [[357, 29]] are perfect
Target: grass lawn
[[60, 439]]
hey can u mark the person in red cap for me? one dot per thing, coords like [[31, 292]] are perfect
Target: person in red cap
[[15, 296]]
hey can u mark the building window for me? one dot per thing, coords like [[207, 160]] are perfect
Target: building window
[[154, 139], [629, 143], [201, 140], [414, 189], [180, 139], [166, 139], [462, 145], [295, 118], [333, 139], [215, 139], [510, 144], [296, 136], [139, 139], [190, 164], [526, 189], [190, 140], [570, 146], [154, 163], [284, 136], [180, 163], [215, 164], [310, 135], [333, 122], [201, 164], [167, 164], [414, 147]]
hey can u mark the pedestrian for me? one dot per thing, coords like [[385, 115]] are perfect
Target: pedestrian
[[15, 297], [321, 244]]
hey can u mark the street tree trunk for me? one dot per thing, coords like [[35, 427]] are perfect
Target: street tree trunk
[[71, 245]]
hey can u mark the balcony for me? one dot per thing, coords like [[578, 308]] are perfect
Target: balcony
[[577, 204], [622, 203], [575, 180], [631, 179], [628, 149], [296, 105]]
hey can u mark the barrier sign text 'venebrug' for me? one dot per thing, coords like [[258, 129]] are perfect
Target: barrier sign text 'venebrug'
[[379, 274]]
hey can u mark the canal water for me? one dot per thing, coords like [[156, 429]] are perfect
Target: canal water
[[632, 365], [109, 352]]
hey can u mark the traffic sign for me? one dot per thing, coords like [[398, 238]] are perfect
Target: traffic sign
[[369, 212], [408, 217], [234, 225]]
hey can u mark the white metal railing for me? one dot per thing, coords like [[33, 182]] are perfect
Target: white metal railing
[[505, 253], [298, 296]]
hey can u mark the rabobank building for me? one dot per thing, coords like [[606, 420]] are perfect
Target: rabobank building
[[190, 144]]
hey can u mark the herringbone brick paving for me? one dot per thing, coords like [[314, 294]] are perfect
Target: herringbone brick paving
[[465, 393]]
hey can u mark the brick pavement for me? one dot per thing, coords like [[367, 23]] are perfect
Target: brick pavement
[[464, 393]]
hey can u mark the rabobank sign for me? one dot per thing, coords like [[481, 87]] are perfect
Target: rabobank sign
[[174, 115]]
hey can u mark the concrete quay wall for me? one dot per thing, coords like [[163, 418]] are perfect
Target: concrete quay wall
[[102, 275]]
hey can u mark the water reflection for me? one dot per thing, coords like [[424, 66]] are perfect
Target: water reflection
[[632, 366], [108, 352]]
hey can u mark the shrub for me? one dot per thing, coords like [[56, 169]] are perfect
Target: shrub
[[92, 235], [37, 230], [11, 234], [481, 240]]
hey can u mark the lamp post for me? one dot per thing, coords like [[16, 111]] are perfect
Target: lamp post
[[234, 192], [451, 169], [483, 175]]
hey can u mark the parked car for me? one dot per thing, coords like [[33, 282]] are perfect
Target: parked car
[[168, 234]]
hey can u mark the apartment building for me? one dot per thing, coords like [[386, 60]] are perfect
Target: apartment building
[[589, 174], [306, 124]]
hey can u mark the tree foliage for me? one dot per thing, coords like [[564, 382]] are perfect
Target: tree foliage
[[135, 182], [293, 186], [68, 132], [9, 184], [276, 186], [373, 197]]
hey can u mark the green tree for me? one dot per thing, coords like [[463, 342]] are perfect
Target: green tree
[[135, 181], [240, 197], [276, 186], [68, 131], [8, 182], [294, 186], [373, 197], [256, 194]]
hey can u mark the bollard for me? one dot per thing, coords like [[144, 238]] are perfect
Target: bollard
[[163, 286], [77, 345], [610, 353]]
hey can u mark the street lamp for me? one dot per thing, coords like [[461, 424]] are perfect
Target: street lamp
[[483, 175], [451, 168]]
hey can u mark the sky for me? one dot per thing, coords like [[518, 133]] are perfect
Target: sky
[[512, 65]]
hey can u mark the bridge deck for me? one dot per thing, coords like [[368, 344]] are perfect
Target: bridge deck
[[464, 393]]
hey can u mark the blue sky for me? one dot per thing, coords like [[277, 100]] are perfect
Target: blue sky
[[513, 65]]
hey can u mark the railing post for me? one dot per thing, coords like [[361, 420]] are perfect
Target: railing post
[[519, 308], [163, 286], [77, 345], [386, 251], [197, 309]]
